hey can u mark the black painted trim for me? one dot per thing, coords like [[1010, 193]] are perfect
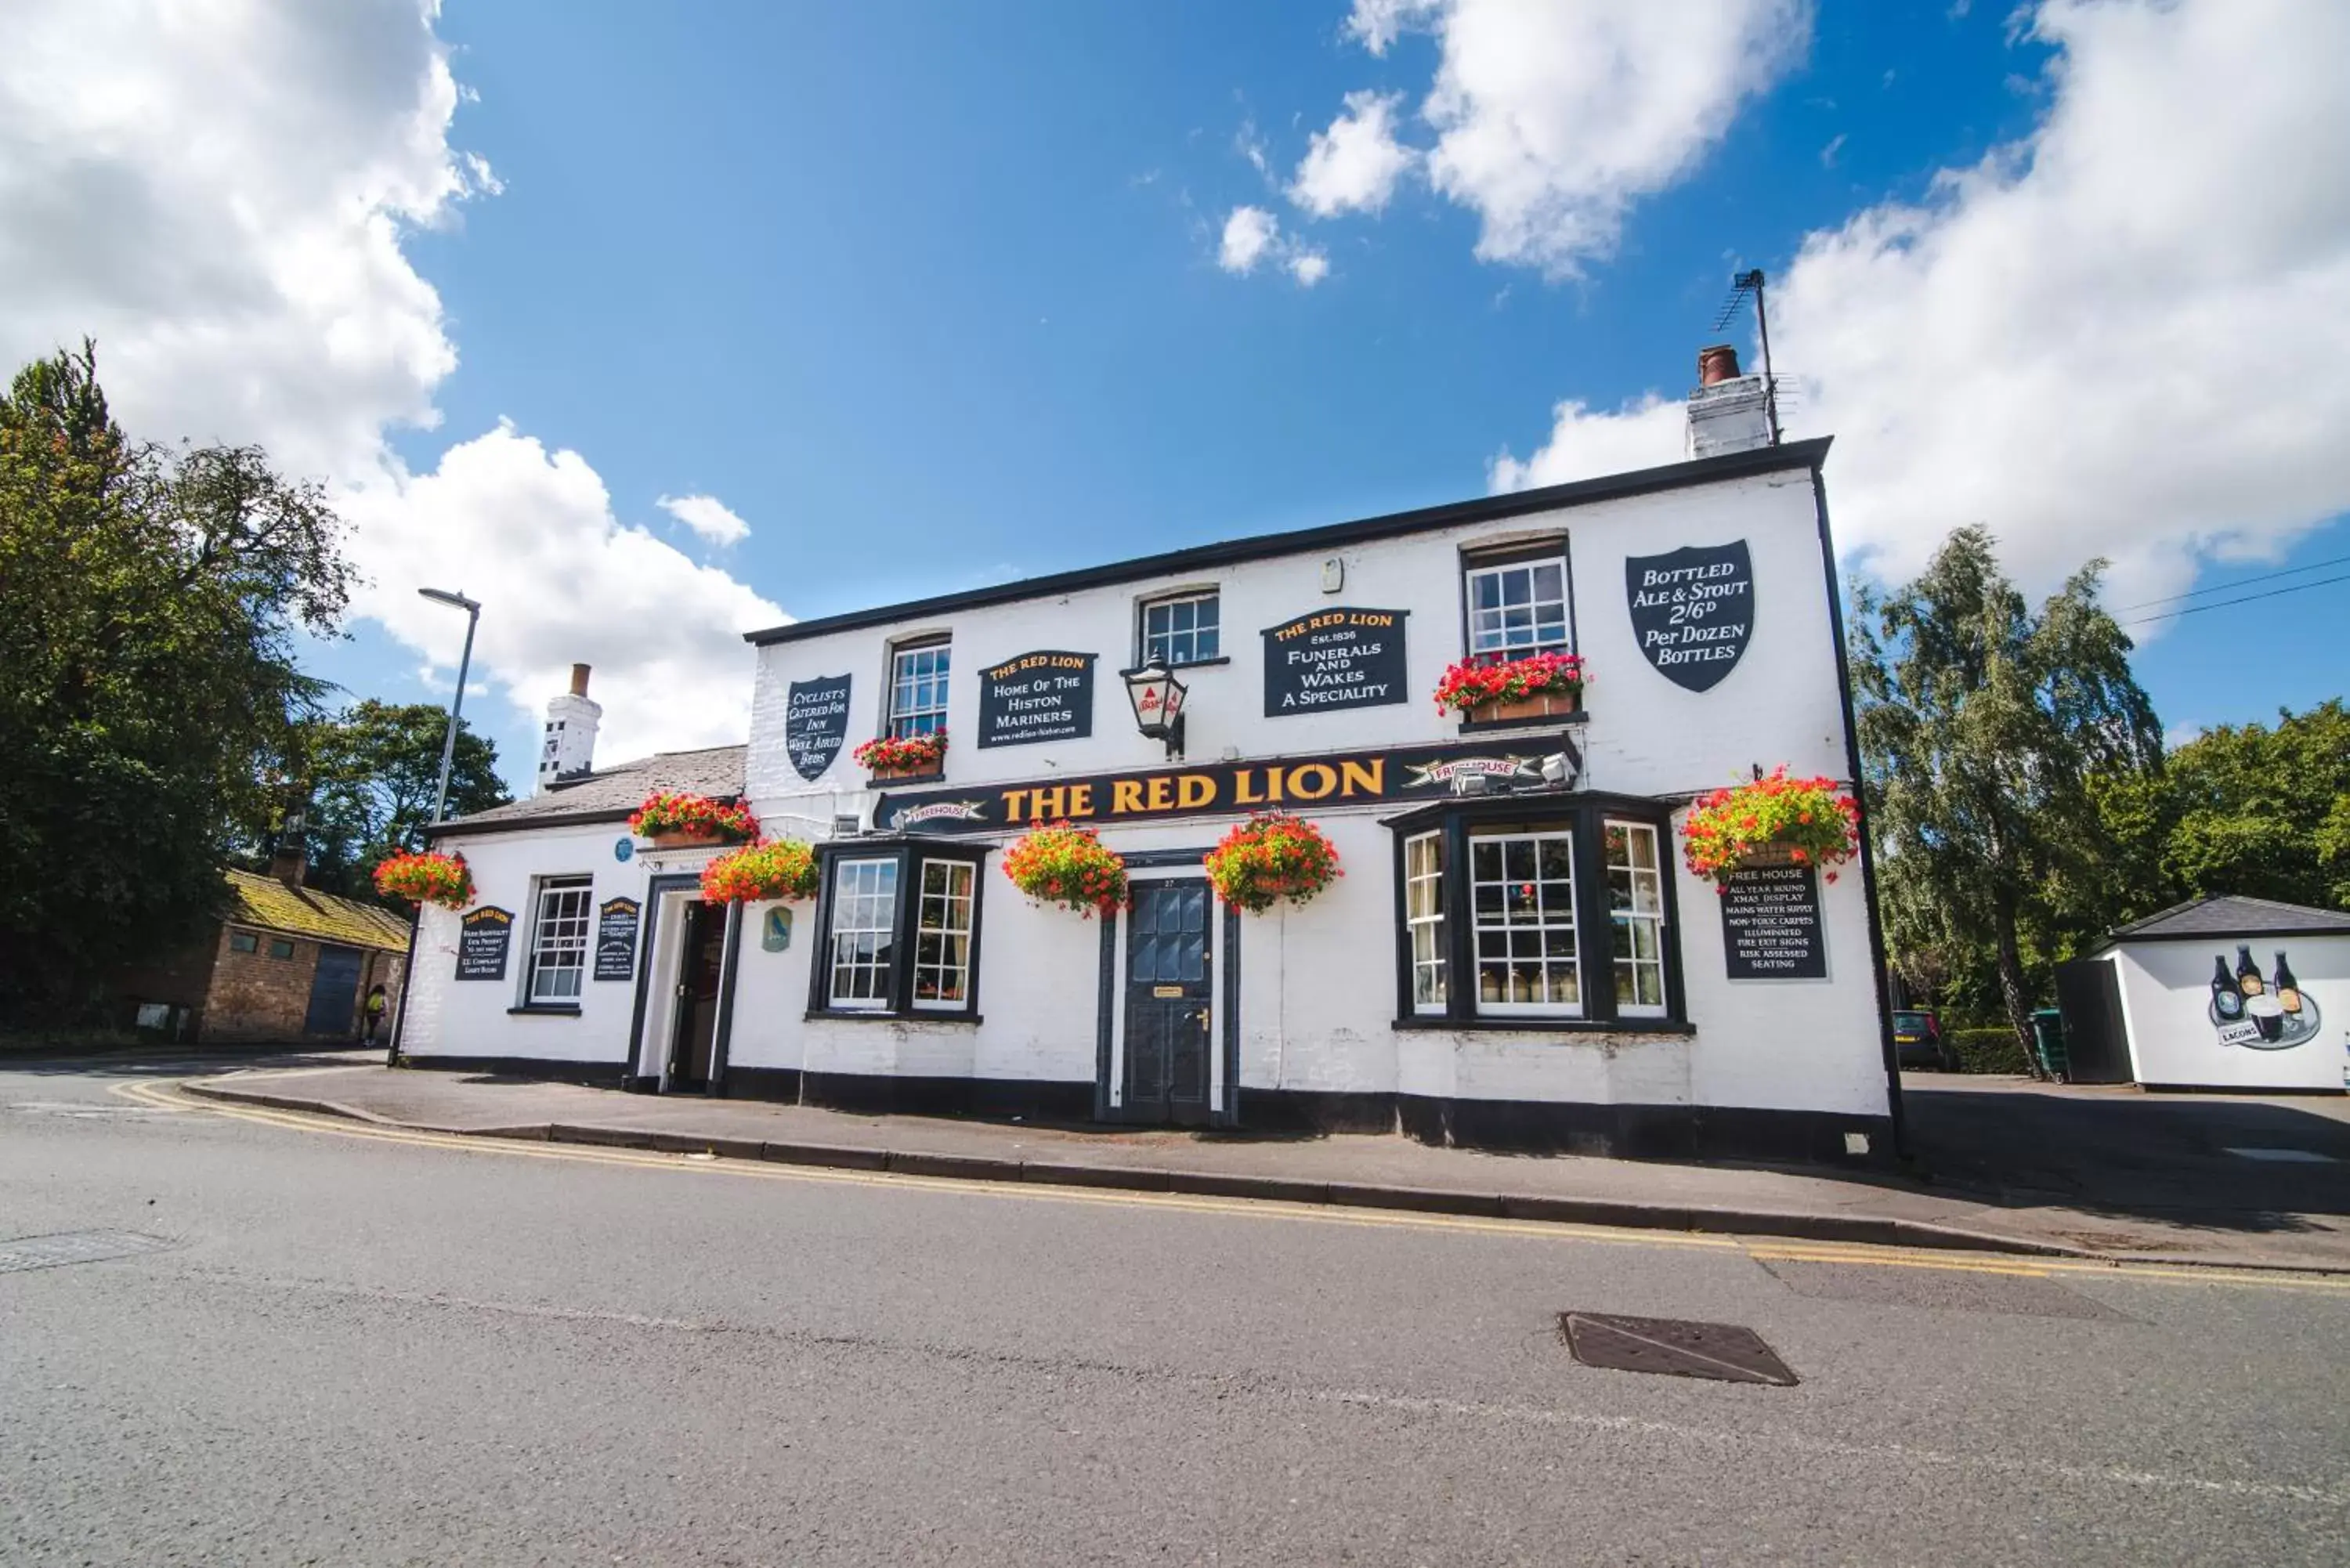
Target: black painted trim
[[723, 1028], [759, 1083], [908, 851], [1206, 558], [1523, 1024], [2107, 944], [609, 1075], [1105, 1015], [1230, 1112], [877, 1093], [466, 828], [1547, 722], [1879, 967], [545, 1010]]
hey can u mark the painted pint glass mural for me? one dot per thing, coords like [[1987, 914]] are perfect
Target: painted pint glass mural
[[2262, 1013]]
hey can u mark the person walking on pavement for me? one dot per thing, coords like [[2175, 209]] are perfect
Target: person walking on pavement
[[374, 1008]]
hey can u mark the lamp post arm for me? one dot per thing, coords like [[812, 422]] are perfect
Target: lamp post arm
[[456, 707]]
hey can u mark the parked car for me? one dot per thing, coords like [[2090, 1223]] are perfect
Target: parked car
[[1918, 1041]]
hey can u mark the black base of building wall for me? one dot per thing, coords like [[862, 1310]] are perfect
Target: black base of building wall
[[760, 1084], [1299, 1110], [1736, 1134], [872, 1093], [597, 1074]]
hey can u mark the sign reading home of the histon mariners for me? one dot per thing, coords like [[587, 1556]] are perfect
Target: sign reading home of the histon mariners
[[1208, 789], [483, 937], [1336, 657], [1043, 696], [616, 938], [1692, 610], [1771, 924], [815, 722]]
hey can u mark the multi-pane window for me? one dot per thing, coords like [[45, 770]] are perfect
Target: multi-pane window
[[864, 932], [558, 940], [1517, 607], [1635, 913], [244, 943], [942, 934], [1182, 630], [1522, 903], [1423, 913], [918, 689]]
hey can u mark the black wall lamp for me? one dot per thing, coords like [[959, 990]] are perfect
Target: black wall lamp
[[1158, 699]]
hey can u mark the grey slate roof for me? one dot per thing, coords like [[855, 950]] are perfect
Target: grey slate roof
[[610, 794], [2230, 916]]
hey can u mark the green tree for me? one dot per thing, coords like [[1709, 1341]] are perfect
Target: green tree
[[373, 771], [148, 604], [2262, 812], [1983, 729]]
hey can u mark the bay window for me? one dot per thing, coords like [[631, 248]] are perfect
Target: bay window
[[898, 929]]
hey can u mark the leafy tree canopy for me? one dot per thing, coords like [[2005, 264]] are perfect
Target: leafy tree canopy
[[149, 599], [371, 772]]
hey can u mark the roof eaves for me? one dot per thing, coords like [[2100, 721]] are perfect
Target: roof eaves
[[1797, 455]]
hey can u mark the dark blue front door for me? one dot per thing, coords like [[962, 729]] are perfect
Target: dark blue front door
[[1168, 965], [334, 991]]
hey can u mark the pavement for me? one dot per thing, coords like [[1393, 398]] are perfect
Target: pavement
[[2003, 1164], [324, 1341]]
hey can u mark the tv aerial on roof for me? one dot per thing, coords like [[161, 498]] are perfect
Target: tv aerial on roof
[[1741, 285]]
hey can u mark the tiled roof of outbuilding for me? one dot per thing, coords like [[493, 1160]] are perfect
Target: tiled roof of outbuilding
[[2229, 915], [614, 791], [265, 902]]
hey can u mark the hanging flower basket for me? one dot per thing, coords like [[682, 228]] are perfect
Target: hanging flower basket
[[775, 870], [1272, 855], [1774, 821], [903, 756], [426, 878], [1540, 686], [1063, 863], [675, 819]]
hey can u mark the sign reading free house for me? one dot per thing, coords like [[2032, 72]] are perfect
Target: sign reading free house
[[1043, 696], [1337, 778], [1337, 657]]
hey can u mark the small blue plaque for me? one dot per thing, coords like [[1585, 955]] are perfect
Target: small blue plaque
[[775, 929], [623, 848]]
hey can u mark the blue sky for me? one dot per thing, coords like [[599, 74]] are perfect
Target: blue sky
[[930, 294]]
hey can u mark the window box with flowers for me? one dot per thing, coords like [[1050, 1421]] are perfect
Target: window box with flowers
[[426, 878], [1488, 690], [916, 756], [1773, 821], [777, 870], [1271, 856], [1067, 865], [675, 819]]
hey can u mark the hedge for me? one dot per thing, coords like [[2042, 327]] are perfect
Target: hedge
[[1989, 1050]]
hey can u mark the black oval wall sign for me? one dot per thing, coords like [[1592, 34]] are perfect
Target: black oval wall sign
[[815, 722], [1692, 610]]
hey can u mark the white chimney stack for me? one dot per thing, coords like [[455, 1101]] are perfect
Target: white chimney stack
[[1727, 412], [569, 748]]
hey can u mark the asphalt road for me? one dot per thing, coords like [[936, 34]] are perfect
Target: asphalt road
[[374, 1349]]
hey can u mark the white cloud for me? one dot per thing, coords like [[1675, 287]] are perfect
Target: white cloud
[[1250, 235], [2127, 335], [1640, 434], [708, 516], [1553, 118], [1308, 266], [531, 533], [1355, 164], [218, 193]]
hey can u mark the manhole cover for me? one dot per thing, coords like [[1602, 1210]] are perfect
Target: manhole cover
[[1673, 1346], [74, 1247]]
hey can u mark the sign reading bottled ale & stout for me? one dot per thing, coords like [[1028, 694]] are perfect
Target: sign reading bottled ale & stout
[[1692, 610]]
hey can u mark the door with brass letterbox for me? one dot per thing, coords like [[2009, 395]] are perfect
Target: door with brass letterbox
[[1169, 965]]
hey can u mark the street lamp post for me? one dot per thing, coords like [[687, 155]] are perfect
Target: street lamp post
[[456, 703]]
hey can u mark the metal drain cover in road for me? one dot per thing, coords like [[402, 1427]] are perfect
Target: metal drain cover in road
[[1673, 1346], [75, 1247]]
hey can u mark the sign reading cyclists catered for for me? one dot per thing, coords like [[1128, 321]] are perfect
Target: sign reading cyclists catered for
[[1336, 657], [1771, 924], [1043, 696], [1692, 610], [815, 722]]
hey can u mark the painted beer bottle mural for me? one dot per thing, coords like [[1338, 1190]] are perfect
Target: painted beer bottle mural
[[2262, 1013], [2227, 1002]]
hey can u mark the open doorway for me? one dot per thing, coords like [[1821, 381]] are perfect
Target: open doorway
[[682, 1002]]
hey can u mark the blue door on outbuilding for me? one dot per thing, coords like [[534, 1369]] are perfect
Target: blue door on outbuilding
[[334, 991]]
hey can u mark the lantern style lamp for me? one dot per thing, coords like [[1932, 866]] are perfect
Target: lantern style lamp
[[1158, 699]]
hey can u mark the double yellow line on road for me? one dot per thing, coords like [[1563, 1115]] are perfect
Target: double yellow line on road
[[165, 1095]]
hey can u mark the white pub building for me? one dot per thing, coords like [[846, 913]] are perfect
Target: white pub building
[[1514, 957]]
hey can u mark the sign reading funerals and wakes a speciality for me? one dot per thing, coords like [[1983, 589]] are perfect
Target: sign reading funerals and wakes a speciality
[[1402, 772], [1043, 696], [1692, 610], [1338, 657]]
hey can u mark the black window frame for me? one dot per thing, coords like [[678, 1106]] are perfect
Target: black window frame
[[908, 854], [1585, 816], [1142, 607], [1474, 558]]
